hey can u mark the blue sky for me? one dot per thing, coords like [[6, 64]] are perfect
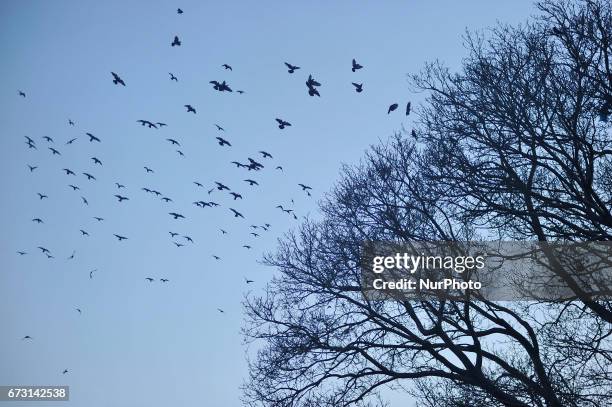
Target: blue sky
[[152, 344]]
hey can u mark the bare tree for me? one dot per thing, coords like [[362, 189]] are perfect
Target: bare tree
[[511, 147]]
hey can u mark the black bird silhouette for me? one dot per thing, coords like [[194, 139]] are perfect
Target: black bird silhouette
[[41, 196], [119, 186], [221, 187], [176, 42], [238, 165], [224, 232], [117, 80], [179, 11], [22, 94], [91, 273], [70, 122], [149, 279], [32, 168], [172, 77], [216, 257], [180, 153], [392, 108], [246, 246], [68, 171], [21, 253], [38, 220], [48, 139], [221, 87], [54, 151], [89, 176], [235, 195], [65, 371], [74, 187], [176, 215], [26, 337], [198, 184], [226, 66], [160, 124], [311, 84], [236, 213], [164, 280], [166, 199], [254, 234], [219, 127], [92, 138], [304, 187], [178, 244], [240, 91], [248, 281], [84, 233], [99, 219], [78, 310], [188, 238], [220, 310], [254, 165], [291, 68], [43, 249], [355, 66], [265, 154], [282, 124], [251, 182], [146, 123], [119, 237], [173, 142], [122, 198], [72, 140], [96, 161], [279, 168], [223, 141], [408, 107], [84, 200], [190, 109], [358, 87], [173, 234], [148, 170], [71, 257]]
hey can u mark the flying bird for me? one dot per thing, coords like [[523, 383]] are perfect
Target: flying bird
[[164, 280], [282, 123], [68, 171], [173, 234], [176, 215], [190, 109], [119, 186], [92, 138], [226, 66], [251, 182], [358, 87], [22, 253], [42, 196], [70, 122], [84, 233], [32, 168], [219, 127], [89, 176], [179, 11], [119, 237], [148, 170], [22, 94], [117, 80], [176, 42], [355, 66], [48, 139], [54, 151], [122, 198], [72, 140], [151, 125], [248, 281], [172, 77], [99, 219], [291, 68], [96, 161], [265, 154], [223, 141], [235, 195], [149, 279], [74, 187], [408, 107], [221, 187], [236, 213], [392, 108], [84, 200], [38, 220], [173, 142], [304, 187]]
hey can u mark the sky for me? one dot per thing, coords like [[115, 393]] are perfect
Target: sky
[[137, 343]]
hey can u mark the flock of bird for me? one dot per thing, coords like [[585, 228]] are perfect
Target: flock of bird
[[251, 165]]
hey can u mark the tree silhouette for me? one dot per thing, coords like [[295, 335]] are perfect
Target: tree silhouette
[[515, 146]]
